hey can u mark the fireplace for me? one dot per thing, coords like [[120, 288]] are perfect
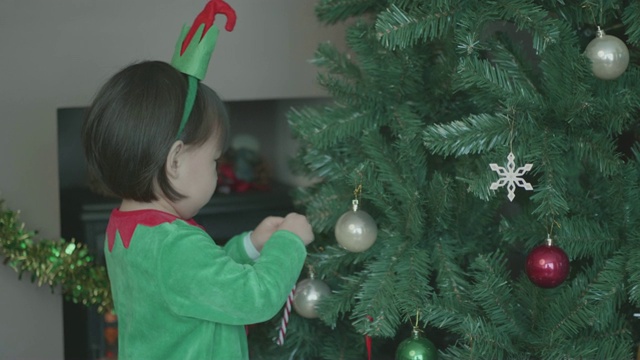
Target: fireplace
[[85, 213]]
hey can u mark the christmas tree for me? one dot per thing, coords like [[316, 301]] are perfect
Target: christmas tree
[[471, 132]]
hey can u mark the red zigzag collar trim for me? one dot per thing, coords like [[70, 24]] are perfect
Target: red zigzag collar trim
[[126, 222]]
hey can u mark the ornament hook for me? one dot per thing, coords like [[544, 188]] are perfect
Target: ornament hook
[[356, 195]]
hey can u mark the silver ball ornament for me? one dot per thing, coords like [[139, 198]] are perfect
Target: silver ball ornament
[[356, 231], [308, 293], [609, 56]]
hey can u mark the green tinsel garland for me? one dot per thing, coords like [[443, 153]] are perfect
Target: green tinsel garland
[[62, 263]]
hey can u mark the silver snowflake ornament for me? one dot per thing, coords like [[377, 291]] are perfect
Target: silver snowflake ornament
[[511, 176]]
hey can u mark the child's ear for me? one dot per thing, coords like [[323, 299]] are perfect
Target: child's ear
[[174, 159]]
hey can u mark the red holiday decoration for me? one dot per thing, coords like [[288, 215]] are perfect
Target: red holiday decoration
[[547, 265], [207, 17], [282, 330], [367, 340]]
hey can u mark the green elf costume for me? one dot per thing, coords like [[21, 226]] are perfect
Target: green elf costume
[[177, 294]]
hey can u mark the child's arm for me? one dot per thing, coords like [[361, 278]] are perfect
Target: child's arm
[[237, 249], [199, 279], [245, 248]]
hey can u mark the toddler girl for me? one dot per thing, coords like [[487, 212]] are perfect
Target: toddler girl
[[177, 294]]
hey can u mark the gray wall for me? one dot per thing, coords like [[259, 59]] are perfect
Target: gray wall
[[56, 53]]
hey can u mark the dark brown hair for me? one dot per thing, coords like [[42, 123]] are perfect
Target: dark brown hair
[[134, 120]]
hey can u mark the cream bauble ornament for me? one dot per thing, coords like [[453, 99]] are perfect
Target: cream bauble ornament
[[609, 56], [307, 295], [356, 230]]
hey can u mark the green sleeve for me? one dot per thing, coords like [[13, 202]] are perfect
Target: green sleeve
[[235, 249], [200, 280]]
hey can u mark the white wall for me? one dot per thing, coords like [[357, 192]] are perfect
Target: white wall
[[55, 53]]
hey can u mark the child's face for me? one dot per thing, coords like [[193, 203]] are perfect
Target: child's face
[[198, 177]]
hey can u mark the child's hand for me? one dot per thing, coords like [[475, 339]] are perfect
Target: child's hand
[[264, 230], [298, 225]]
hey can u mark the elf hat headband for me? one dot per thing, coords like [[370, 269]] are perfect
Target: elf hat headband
[[192, 57]]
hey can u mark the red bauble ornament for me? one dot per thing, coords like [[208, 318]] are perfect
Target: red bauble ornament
[[547, 265]]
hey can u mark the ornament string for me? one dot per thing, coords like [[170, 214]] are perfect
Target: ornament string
[[356, 197], [357, 192], [601, 6], [593, 15], [511, 130], [510, 175], [549, 241], [415, 326]]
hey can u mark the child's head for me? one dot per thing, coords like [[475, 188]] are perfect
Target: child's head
[[131, 128]]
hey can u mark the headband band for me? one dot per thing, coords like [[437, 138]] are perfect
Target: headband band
[[192, 57]]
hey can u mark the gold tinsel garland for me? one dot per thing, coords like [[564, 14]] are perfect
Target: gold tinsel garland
[[63, 263]]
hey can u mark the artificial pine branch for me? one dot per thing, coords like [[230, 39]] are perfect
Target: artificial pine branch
[[472, 135], [493, 293], [397, 28], [585, 237], [630, 17], [526, 14], [334, 11], [600, 150], [433, 100]]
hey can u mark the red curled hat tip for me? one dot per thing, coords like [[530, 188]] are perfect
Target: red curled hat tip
[[207, 16]]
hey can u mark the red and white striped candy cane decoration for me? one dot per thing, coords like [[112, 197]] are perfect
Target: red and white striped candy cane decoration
[[282, 331]]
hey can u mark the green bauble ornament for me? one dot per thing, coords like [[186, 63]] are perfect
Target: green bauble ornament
[[416, 348]]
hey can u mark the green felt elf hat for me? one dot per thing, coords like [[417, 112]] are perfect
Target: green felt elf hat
[[194, 48]]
